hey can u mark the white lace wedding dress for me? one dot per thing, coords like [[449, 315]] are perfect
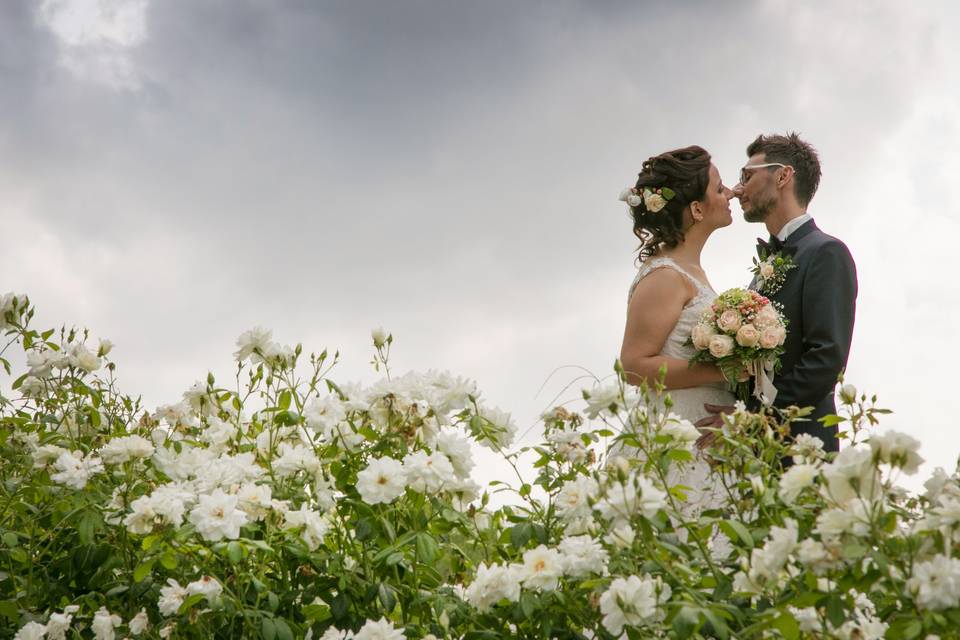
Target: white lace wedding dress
[[705, 489]]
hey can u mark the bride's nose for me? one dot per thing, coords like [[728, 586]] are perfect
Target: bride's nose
[[736, 191]]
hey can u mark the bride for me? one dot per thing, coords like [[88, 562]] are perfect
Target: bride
[[678, 201]]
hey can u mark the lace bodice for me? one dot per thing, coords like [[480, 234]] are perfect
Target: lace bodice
[[675, 346]]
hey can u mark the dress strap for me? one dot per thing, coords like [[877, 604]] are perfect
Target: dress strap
[[660, 262]]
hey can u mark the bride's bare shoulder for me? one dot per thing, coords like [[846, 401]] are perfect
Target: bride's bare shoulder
[[660, 282]]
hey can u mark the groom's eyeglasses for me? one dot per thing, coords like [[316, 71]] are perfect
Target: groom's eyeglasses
[[746, 172]]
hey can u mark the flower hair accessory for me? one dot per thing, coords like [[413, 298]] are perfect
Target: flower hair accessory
[[653, 199]]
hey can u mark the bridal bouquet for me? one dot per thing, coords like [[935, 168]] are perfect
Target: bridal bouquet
[[742, 332]]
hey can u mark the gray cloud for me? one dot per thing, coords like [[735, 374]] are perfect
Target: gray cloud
[[449, 170]]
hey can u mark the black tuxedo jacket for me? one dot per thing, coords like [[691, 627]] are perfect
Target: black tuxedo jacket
[[819, 301]]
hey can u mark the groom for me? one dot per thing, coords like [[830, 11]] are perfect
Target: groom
[[818, 292]]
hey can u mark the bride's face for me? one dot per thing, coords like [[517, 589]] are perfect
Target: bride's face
[[716, 201]]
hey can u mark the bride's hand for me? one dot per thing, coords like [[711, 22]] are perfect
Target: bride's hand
[[742, 376]]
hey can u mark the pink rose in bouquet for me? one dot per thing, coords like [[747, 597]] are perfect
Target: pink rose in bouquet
[[742, 331]]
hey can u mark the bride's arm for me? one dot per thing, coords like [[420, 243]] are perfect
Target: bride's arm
[[654, 309]]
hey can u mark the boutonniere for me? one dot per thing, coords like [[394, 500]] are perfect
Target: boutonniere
[[770, 270]]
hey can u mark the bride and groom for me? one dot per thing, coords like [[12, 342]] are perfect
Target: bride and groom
[[678, 201]]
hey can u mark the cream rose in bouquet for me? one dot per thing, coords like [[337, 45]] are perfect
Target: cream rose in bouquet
[[742, 331]]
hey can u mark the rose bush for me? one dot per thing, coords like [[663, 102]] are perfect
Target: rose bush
[[286, 505]]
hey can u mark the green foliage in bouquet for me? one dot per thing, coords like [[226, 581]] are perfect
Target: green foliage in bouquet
[[287, 505]]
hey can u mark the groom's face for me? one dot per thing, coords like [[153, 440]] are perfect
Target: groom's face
[[757, 191]]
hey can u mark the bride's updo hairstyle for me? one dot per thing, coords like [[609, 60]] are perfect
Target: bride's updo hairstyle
[[682, 176]]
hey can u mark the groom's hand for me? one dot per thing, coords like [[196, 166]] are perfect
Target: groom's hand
[[715, 411]]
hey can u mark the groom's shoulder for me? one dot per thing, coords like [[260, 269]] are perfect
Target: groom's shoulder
[[820, 239], [823, 247]]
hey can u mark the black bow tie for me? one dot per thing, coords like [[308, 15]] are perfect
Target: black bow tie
[[766, 249]]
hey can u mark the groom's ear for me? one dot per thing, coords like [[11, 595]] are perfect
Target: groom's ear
[[786, 175]]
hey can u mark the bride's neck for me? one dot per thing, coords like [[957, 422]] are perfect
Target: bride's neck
[[689, 250]]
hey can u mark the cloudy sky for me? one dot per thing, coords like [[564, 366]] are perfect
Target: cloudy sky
[[173, 173]]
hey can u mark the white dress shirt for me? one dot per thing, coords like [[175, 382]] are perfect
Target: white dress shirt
[[792, 226]]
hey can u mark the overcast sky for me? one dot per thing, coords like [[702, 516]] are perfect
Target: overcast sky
[[173, 173]]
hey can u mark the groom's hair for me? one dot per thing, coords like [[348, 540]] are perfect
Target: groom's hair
[[800, 155]]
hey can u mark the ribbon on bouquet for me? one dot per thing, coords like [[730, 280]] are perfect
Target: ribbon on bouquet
[[763, 389]]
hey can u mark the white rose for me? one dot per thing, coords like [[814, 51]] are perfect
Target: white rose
[[105, 348], [31, 631], [897, 449], [701, 335], [139, 623], [729, 320], [748, 336], [625, 194], [766, 317], [621, 536], [796, 479], [634, 200], [379, 337], [848, 393], [680, 429], [83, 358], [721, 346], [766, 270], [654, 201]]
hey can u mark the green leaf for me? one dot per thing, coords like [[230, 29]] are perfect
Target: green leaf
[[686, 621], [88, 525], [787, 625], [912, 629], [854, 551], [829, 421], [284, 401], [520, 534], [528, 604], [143, 570], [150, 540], [316, 612], [235, 551], [680, 455], [387, 597], [8, 609], [427, 549], [273, 602], [168, 560], [10, 539], [259, 544], [720, 629], [268, 630], [735, 529], [283, 629], [190, 601], [836, 611], [340, 606]]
